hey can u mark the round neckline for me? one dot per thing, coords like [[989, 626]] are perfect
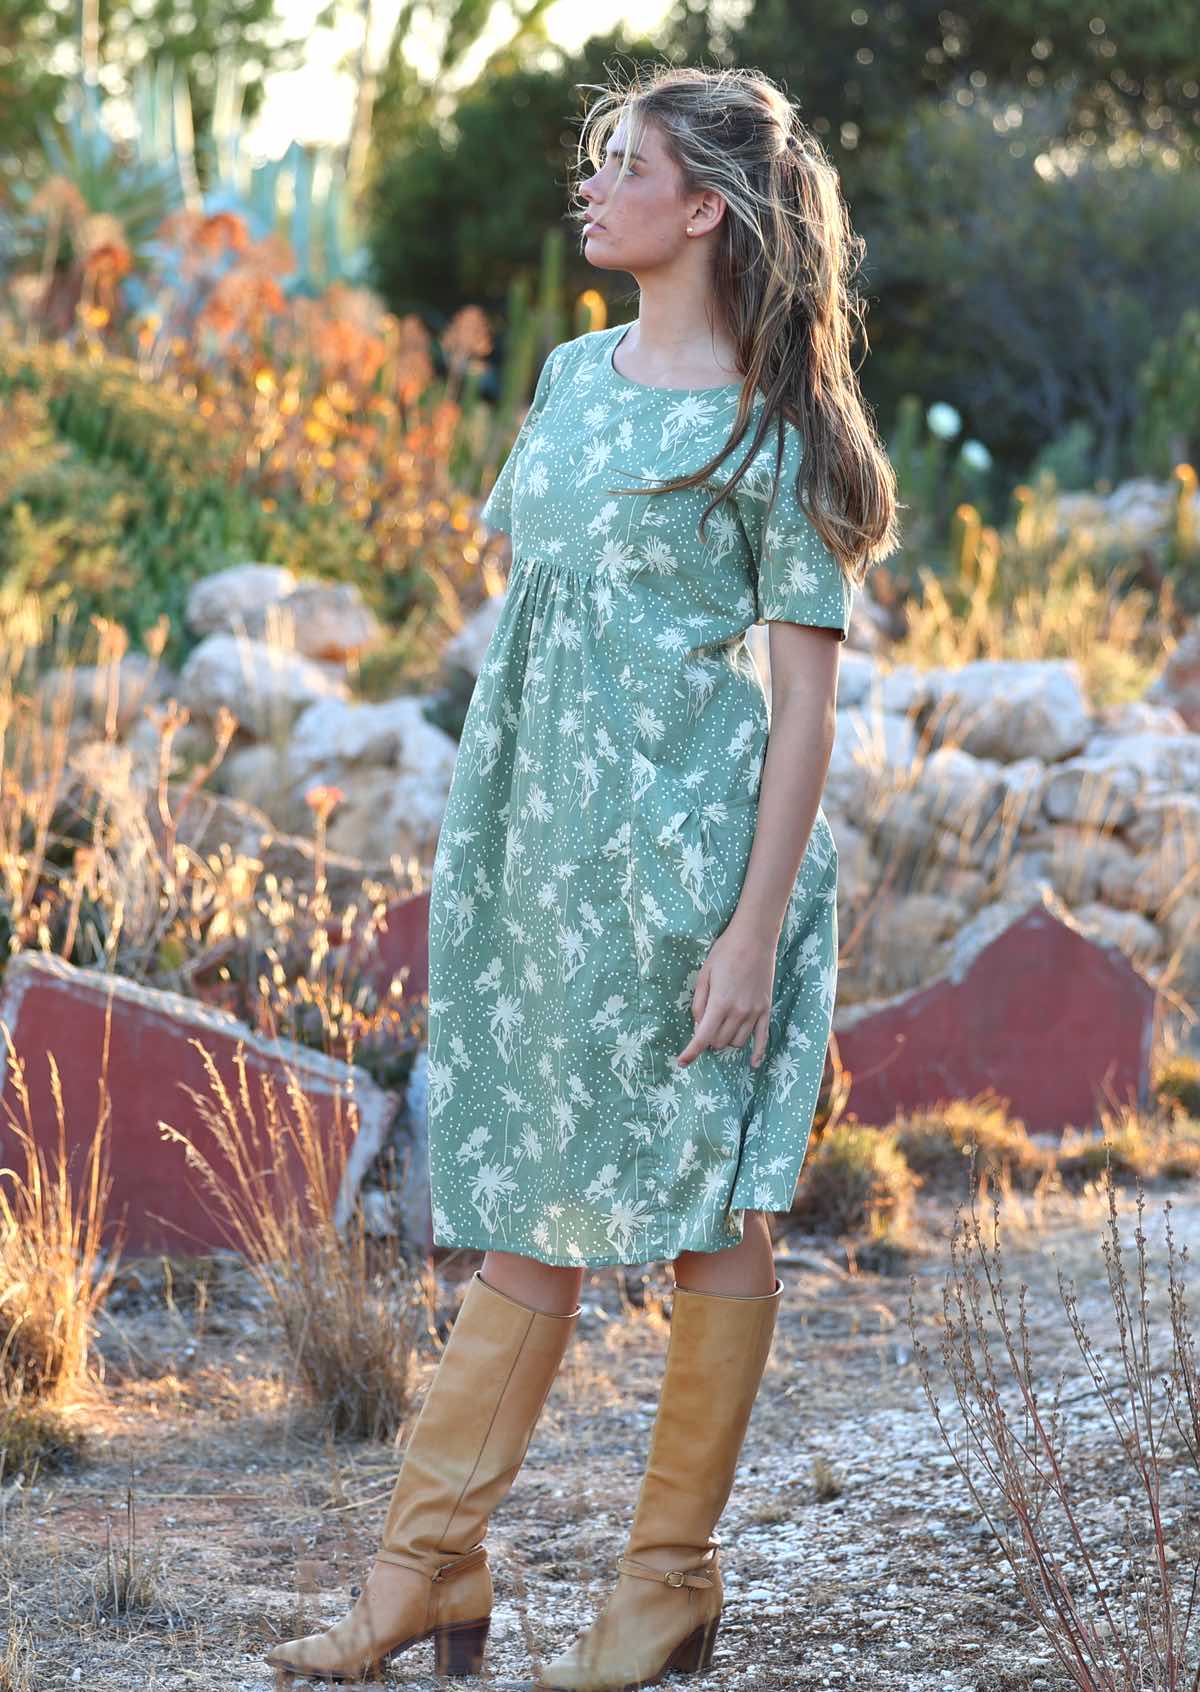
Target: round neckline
[[657, 387]]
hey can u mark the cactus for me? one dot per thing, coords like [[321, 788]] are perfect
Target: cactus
[[966, 530], [905, 443], [1183, 548], [591, 311], [918, 452], [533, 330], [551, 314], [1167, 429]]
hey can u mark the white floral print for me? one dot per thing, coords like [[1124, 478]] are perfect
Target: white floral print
[[596, 837]]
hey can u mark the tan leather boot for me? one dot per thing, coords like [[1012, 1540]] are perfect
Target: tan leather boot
[[431, 1574], [664, 1611]]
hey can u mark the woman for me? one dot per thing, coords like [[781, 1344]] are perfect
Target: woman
[[633, 920]]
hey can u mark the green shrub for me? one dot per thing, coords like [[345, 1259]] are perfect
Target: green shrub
[[35, 1439], [138, 497], [1177, 1085], [855, 1179], [936, 1144]]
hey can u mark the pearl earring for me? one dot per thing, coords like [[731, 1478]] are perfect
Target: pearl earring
[[689, 229]]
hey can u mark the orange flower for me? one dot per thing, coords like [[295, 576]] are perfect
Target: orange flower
[[322, 800], [222, 230], [467, 336], [100, 240]]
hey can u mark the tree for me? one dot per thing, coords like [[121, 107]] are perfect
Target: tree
[[461, 207], [1026, 283], [111, 39], [856, 70]]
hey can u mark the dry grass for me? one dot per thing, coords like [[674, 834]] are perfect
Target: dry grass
[[255, 1528], [129, 1585], [936, 1142], [1043, 595], [349, 1306], [1163, 1144], [35, 1439], [1177, 1084], [103, 861], [17, 1662], [242, 1522], [859, 1181], [54, 1275]]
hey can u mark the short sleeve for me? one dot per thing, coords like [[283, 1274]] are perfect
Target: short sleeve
[[496, 510], [799, 578]]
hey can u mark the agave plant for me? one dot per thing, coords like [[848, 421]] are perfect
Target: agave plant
[[101, 212], [82, 221], [301, 195], [109, 177]]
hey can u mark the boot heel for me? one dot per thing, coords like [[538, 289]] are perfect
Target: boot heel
[[695, 1652], [458, 1649]]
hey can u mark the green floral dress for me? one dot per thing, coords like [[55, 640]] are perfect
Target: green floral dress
[[596, 837]]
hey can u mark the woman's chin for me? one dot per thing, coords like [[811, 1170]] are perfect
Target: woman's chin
[[596, 251]]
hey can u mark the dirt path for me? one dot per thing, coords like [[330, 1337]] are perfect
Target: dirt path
[[853, 1555]]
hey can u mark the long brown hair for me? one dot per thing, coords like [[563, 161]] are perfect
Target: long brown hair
[[783, 274]]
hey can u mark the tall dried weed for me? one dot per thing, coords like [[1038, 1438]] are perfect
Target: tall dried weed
[[349, 1305], [54, 1271], [1111, 1629]]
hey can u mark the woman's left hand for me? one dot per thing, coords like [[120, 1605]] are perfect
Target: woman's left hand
[[732, 997]]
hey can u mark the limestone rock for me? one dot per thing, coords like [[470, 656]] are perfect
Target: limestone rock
[[1167, 822], [870, 749], [265, 688], [900, 825], [394, 733], [960, 792], [1178, 687], [1099, 791], [1008, 708], [902, 689], [465, 649], [1138, 716], [908, 937], [1022, 782], [327, 620], [382, 816], [857, 674], [1138, 881], [81, 693], [217, 603], [1165, 759], [257, 775], [1137, 938]]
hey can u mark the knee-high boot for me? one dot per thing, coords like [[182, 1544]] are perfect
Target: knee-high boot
[[431, 1574], [664, 1611]]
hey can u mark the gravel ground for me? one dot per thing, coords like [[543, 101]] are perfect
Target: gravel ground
[[852, 1551]]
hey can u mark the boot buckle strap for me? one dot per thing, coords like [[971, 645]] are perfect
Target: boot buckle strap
[[405, 1560], [671, 1577], [467, 1560]]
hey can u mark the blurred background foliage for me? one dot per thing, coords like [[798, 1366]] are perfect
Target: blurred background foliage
[[1026, 178]]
